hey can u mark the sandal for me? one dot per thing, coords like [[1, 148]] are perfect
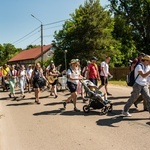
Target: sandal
[[51, 94], [37, 102]]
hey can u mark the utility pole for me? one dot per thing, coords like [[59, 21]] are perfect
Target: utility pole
[[41, 39]]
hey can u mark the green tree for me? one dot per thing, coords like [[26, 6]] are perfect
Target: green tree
[[136, 17], [32, 46], [88, 33], [7, 51]]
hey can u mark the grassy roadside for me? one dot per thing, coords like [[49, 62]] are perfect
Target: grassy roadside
[[120, 83]]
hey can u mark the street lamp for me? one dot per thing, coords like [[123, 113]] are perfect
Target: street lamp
[[41, 38], [65, 51]]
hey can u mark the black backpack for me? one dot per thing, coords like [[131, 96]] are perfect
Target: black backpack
[[130, 78]]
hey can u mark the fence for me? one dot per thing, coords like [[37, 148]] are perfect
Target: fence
[[119, 73]]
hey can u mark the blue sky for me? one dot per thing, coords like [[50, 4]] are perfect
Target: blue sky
[[17, 22]]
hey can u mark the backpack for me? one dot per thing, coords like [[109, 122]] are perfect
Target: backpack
[[131, 79]]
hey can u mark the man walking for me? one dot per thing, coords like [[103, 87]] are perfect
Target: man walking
[[142, 72], [104, 74]]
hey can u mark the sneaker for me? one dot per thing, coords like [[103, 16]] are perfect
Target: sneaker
[[64, 103], [126, 114], [85, 99], [76, 109]]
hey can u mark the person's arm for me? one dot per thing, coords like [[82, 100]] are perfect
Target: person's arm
[[144, 75]]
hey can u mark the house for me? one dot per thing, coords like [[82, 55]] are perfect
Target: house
[[31, 56]]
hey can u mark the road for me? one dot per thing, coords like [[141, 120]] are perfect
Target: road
[[25, 125]]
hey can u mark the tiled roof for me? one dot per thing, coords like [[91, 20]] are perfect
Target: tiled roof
[[32, 53]]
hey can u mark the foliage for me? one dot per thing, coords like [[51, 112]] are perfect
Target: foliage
[[134, 24], [32, 46], [7, 51], [88, 33]]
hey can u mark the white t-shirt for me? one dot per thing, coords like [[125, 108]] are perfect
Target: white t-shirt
[[29, 72], [73, 74], [106, 69], [140, 80]]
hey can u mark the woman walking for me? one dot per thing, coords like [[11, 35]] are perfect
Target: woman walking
[[52, 76], [37, 74], [74, 76], [22, 80], [12, 81]]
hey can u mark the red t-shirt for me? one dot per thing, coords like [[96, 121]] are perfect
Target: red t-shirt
[[0, 73], [92, 71]]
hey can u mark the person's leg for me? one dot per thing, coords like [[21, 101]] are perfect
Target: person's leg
[[55, 91], [21, 81], [135, 93], [37, 91], [102, 82], [139, 99], [146, 97]]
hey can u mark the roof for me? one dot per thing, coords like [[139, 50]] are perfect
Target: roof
[[32, 53]]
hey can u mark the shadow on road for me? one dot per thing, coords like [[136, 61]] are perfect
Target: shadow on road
[[21, 104], [52, 112], [111, 121], [118, 97], [54, 103]]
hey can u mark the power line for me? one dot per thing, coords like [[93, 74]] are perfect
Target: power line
[[26, 38], [34, 40], [26, 35], [22, 39], [56, 22]]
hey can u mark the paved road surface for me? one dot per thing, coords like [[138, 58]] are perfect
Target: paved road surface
[[27, 126]]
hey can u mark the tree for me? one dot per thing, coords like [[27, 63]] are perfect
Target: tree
[[7, 51], [88, 33], [32, 46], [136, 16]]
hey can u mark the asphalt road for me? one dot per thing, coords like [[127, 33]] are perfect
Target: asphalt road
[[25, 125]]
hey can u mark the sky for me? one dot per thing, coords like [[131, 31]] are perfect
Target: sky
[[19, 28]]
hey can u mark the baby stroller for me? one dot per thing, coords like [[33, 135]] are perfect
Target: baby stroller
[[5, 83], [97, 100]]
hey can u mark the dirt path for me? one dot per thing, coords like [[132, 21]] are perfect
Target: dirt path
[[27, 126]]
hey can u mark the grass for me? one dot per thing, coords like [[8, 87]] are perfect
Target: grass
[[120, 83]]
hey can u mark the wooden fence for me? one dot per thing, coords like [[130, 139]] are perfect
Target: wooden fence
[[119, 73]]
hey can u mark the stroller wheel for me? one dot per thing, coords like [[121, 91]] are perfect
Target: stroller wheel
[[110, 108], [86, 108], [104, 110]]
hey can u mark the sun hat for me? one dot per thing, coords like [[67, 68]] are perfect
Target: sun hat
[[94, 58], [73, 61], [88, 62], [142, 54], [146, 57]]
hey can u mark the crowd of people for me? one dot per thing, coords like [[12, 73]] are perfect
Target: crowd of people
[[34, 78]]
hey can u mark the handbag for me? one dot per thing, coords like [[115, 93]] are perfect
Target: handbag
[[41, 81]]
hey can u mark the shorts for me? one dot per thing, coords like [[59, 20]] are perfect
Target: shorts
[[103, 81], [93, 81], [72, 87], [54, 83]]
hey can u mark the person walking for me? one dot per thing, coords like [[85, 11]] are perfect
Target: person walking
[[74, 76], [12, 81], [28, 77], [37, 73], [93, 73], [104, 74], [141, 73], [53, 79], [22, 80]]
